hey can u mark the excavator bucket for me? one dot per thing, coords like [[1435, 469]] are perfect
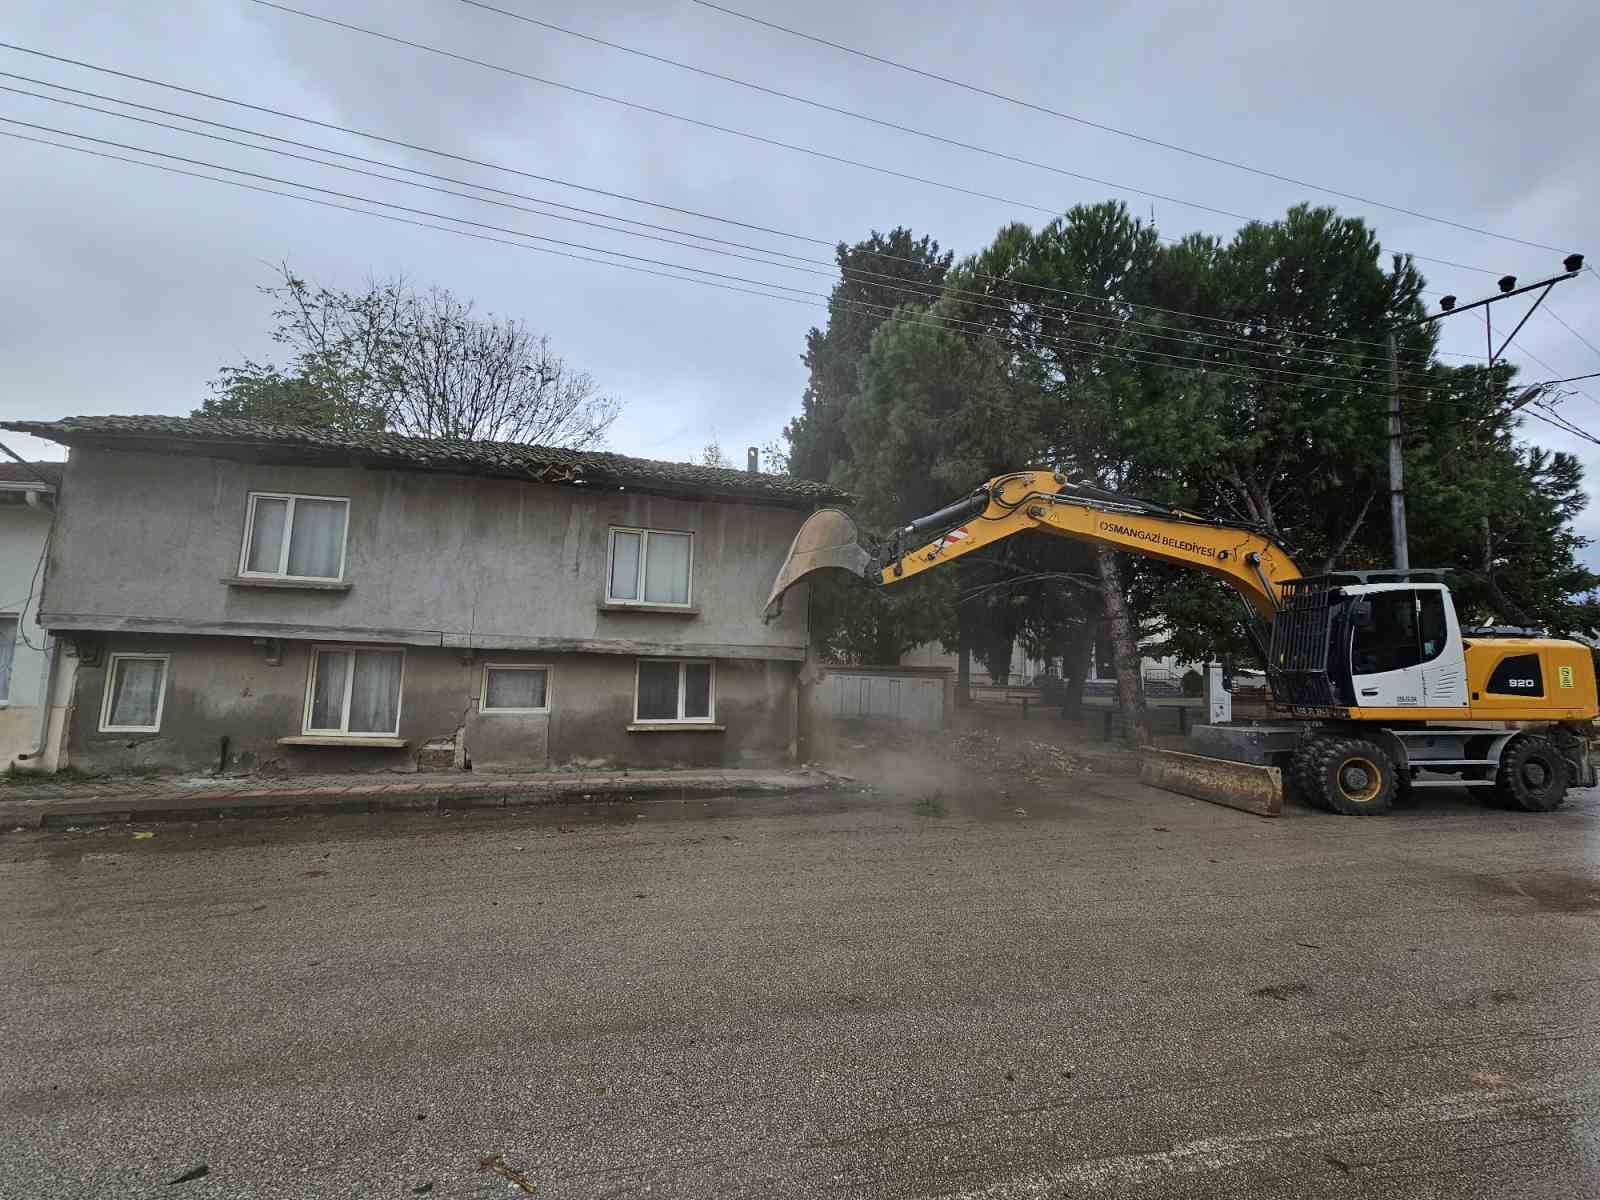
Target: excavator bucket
[[829, 540], [1251, 786]]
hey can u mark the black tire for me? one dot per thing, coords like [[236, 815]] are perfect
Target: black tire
[[1301, 775], [1353, 776], [1533, 776]]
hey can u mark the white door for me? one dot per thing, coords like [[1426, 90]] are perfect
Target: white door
[[1444, 660], [1385, 655]]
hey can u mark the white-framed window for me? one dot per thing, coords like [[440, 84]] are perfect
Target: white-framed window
[[514, 688], [8, 650], [650, 566], [354, 691], [294, 537], [136, 690], [675, 689]]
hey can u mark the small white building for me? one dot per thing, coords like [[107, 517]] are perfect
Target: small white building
[[27, 653]]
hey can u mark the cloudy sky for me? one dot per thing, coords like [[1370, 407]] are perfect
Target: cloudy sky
[[127, 287]]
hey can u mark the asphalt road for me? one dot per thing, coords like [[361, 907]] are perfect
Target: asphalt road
[[1113, 993]]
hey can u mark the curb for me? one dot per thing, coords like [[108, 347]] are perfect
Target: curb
[[58, 814]]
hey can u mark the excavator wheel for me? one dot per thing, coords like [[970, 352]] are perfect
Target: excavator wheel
[[1302, 773], [1352, 776], [1533, 776]]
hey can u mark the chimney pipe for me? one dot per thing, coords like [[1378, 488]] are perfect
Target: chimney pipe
[[752, 458]]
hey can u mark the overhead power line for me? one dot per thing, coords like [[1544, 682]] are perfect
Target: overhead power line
[[924, 292], [1133, 354], [1556, 317], [1137, 355], [881, 122], [382, 139], [389, 141], [813, 266], [1126, 133], [815, 152], [659, 112]]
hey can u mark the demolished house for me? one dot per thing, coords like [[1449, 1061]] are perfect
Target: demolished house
[[243, 596]]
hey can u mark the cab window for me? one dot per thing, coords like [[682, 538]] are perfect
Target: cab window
[[1431, 624], [1391, 642]]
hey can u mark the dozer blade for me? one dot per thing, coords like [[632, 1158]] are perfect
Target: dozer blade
[[828, 540], [1249, 786]]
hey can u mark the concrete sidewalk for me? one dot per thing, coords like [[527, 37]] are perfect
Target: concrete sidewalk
[[78, 802]]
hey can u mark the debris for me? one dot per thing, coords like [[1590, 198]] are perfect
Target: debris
[[998, 757], [519, 847], [497, 1164], [1488, 1079], [143, 835], [191, 1175], [1021, 812], [1160, 829], [1310, 945]]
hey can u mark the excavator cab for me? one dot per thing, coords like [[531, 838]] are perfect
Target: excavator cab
[[1344, 643]]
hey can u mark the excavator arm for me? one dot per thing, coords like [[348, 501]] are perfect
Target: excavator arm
[[1045, 502]]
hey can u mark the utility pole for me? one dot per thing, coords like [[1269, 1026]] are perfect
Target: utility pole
[[1397, 467], [1508, 288]]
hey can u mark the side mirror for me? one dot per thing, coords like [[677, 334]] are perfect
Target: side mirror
[[1361, 616]]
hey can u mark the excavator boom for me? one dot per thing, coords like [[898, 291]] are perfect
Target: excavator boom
[[1044, 502]]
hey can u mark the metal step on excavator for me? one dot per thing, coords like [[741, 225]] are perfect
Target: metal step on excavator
[[1377, 688]]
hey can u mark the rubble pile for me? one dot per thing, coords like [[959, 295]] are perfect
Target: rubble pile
[[986, 752]]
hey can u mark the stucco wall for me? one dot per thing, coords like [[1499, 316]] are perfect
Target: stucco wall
[[144, 540], [224, 688], [23, 531]]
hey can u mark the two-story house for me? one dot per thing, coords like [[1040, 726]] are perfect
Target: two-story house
[[250, 596]]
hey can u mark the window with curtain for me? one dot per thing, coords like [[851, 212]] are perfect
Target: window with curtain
[[649, 566], [8, 649], [135, 688], [672, 690], [511, 688], [355, 691], [294, 537]]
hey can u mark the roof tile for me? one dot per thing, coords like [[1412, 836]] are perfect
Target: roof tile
[[504, 459]]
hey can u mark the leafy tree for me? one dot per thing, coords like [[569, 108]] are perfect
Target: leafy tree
[[1246, 378], [711, 455], [876, 276], [262, 392], [416, 363]]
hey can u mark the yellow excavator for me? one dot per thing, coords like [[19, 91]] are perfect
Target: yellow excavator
[[1378, 687]]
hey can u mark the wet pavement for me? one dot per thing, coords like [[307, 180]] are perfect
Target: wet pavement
[[1100, 991]]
